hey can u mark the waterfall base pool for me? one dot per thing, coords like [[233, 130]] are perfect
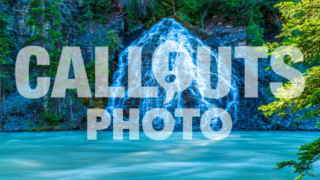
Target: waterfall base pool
[[68, 155]]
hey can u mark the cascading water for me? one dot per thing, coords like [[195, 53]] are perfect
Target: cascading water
[[177, 39]]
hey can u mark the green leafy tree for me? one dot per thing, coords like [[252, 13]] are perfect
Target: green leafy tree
[[308, 154], [301, 29]]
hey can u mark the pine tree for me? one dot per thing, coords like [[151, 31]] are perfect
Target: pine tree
[[38, 23], [45, 22], [255, 33], [6, 45], [57, 42], [94, 10]]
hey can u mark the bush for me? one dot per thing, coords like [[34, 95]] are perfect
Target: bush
[[51, 118], [255, 33]]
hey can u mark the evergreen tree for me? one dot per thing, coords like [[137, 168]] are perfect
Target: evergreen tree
[[255, 33], [57, 42], [94, 10], [46, 24], [6, 45], [38, 22]]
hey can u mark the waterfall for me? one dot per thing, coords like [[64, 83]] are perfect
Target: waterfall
[[172, 33]]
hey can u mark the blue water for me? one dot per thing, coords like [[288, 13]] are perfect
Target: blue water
[[68, 155]]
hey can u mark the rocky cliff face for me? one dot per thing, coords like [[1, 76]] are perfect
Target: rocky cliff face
[[217, 32], [23, 114], [222, 33]]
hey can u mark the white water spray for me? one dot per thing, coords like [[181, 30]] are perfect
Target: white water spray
[[179, 65]]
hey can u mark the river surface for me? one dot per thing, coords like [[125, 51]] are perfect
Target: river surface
[[69, 155]]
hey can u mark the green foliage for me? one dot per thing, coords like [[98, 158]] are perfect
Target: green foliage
[[191, 10], [196, 12], [132, 15], [46, 21], [299, 32], [301, 29], [147, 11], [310, 99], [241, 10], [96, 10], [46, 24], [6, 43], [6, 64], [255, 33], [36, 21], [56, 38], [51, 118], [100, 10], [307, 156]]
